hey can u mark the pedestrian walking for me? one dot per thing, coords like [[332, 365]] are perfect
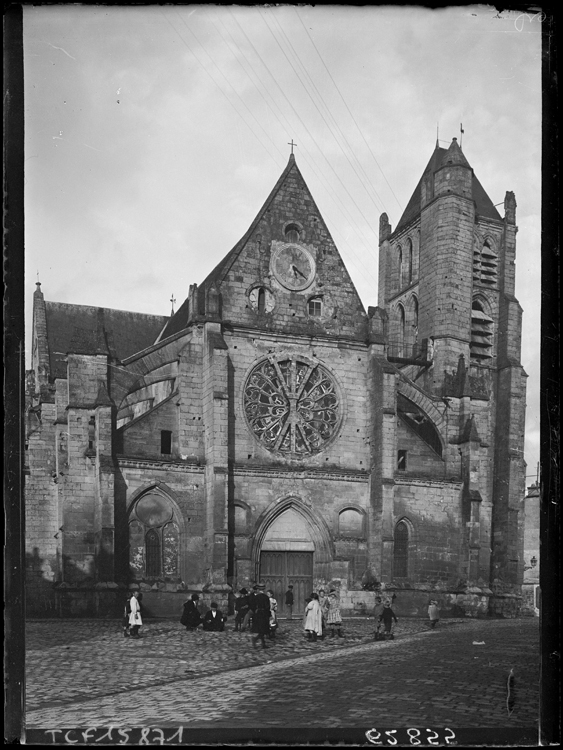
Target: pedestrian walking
[[313, 618], [433, 613], [135, 620], [251, 598], [377, 612], [323, 603], [191, 617], [126, 613], [213, 620], [261, 616], [289, 601], [241, 609], [387, 617], [273, 614], [333, 616]]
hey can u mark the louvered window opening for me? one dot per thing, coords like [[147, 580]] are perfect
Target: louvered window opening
[[485, 263], [481, 335]]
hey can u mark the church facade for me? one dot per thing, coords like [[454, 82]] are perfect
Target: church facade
[[273, 429]]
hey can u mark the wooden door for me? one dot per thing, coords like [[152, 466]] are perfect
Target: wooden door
[[280, 569]]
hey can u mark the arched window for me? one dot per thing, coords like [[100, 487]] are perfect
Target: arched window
[[409, 262], [154, 538], [261, 299], [400, 267], [292, 233], [401, 332], [401, 551], [350, 523], [240, 520]]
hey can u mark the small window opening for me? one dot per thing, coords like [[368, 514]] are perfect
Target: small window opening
[[91, 433], [165, 442], [402, 460], [315, 307], [261, 300], [292, 233]]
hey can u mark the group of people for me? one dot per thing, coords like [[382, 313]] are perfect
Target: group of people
[[257, 611], [321, 613], [213, 620]]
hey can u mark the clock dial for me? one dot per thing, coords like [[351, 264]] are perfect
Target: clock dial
[[293, 266]]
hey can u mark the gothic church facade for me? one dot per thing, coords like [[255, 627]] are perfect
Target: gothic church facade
[[273, 429]]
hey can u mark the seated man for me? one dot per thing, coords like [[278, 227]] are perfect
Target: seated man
[[214, 620]]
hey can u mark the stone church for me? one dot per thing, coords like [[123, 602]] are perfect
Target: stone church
[[272, 429]]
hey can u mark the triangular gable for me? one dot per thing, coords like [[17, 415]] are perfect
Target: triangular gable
[[247, 262]]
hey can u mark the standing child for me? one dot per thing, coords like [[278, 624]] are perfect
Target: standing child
[[241, 608], [273, 614], [433, 613], [289, 601], [126, 613], [313, 621], [387, 617], [377, 612], [333, 616]]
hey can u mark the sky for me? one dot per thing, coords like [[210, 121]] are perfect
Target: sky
[[154, 134]]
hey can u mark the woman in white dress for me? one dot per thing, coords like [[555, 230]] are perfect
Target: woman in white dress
[[313, 618], [135, 620]]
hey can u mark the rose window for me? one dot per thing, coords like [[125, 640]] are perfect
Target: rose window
[[292, 405]]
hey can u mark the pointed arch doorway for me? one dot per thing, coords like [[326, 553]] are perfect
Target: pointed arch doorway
[[287, 557]]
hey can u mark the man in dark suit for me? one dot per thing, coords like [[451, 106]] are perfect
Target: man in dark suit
[[213, 620], [251, 599], [261, 617]]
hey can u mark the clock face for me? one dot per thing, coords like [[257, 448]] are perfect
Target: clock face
[[293, 266]]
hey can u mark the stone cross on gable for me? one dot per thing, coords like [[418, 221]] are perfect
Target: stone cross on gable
[[292, 144]]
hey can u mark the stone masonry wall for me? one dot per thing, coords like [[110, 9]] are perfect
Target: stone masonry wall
[[43, 538], [433, 512]]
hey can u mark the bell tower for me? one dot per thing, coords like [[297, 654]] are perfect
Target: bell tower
[[447, 276]]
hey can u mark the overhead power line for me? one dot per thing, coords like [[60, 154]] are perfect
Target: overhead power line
[[347, 107]]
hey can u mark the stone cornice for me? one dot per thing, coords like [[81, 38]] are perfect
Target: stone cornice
[[283, 472], [289, 339], [430, 481], [128, 462]]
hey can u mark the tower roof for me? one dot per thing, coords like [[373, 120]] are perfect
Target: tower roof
[[441, 158]]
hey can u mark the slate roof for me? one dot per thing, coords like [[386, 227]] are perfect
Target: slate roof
[[483, 204], [81, 329]]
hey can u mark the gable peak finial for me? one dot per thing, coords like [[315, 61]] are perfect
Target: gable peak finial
[[292, 144], [172, 300]]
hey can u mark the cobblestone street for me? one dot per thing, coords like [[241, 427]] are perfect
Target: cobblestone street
[[85, 674]]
